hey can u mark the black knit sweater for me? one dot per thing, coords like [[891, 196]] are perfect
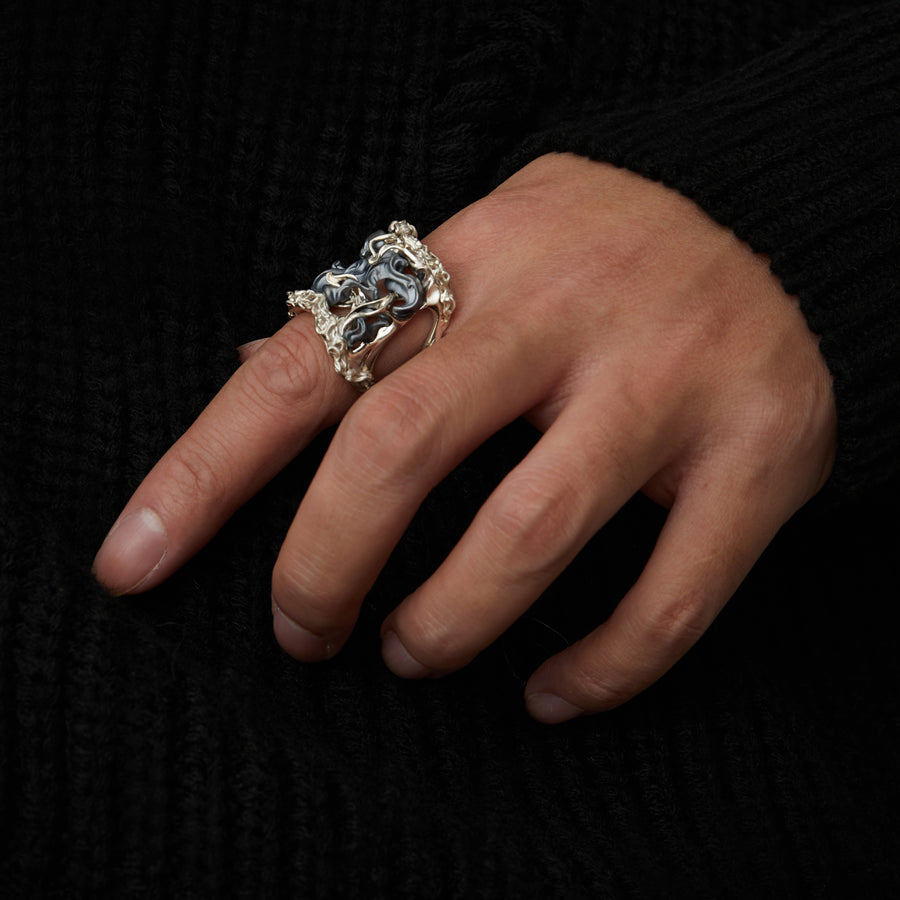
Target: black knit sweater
[[169, 171]]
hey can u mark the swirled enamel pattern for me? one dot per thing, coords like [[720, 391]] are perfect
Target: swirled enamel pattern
[[359, 306]]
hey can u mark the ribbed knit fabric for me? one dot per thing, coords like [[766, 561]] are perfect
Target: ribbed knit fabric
[[169, 171]]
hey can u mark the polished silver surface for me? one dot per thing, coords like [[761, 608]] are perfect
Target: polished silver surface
[[359, 306]]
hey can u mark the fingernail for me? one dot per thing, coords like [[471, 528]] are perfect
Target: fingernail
[[245, 351], [399, 660], [297, 640], [550, 709], [132, 551]]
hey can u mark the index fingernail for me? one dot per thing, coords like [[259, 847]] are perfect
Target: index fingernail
[[132, 551], [245, 351]]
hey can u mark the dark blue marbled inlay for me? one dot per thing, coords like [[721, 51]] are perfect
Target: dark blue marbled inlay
[[364, 277]]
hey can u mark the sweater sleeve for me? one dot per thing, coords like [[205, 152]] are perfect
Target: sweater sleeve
[[798, 152]]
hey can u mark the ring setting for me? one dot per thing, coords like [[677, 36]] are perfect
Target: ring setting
[[358, 307]]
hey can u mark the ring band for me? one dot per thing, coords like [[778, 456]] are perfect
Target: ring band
[[359, 306]]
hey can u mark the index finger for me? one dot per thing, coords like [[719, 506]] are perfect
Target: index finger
[[272, 406]]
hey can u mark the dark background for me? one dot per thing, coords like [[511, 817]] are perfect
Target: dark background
[[170, 172]]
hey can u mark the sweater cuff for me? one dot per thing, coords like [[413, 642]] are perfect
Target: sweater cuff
[[799, 154]]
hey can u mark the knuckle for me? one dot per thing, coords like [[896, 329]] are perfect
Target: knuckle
[[679, 620], [778, 438], [603, 689], [435, 643], [392, 432], [767, 419], [618, 254], [784, 412], [478, 235], [289, 369], [483, 227], [612, 255], [313, 604], [763, 442], [196, 475], [535, 524]]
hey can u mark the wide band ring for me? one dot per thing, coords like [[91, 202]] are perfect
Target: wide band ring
[[359, 306]]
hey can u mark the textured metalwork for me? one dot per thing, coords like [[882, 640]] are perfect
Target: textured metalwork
[[359, 306]]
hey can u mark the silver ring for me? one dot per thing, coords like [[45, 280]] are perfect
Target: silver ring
[[358, 307]]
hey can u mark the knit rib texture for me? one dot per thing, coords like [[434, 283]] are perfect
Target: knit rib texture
[[168, 172]]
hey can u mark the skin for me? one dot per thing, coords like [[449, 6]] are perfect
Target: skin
[[654, 351]]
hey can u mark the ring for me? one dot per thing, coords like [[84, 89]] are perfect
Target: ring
[[358, 307]]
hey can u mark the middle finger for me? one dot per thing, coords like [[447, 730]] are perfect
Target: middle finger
[[394, 445], [589, 463]]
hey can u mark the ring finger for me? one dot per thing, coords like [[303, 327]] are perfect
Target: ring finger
[[577, 476]]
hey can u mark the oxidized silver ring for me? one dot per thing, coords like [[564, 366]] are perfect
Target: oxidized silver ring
[[358, 307]]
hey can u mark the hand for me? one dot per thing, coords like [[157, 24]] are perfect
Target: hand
[[654, 350]]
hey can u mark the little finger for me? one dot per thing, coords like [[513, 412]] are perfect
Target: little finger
[[713, 534]]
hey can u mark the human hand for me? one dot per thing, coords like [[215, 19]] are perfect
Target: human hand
[[654, 350]]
